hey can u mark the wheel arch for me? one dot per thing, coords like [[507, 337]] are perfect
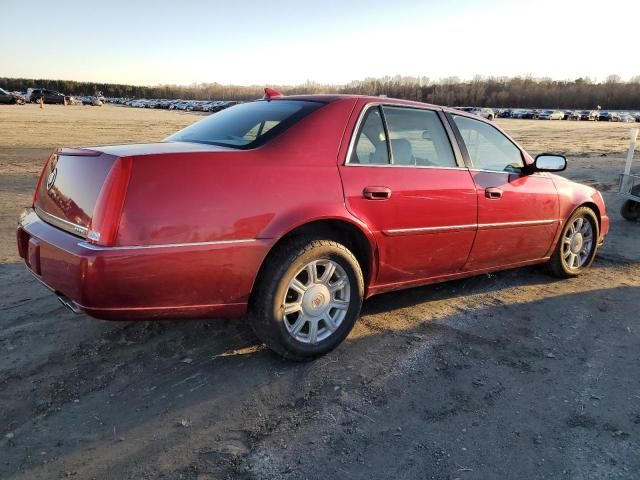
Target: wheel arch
[[346, 231], [595, 209]]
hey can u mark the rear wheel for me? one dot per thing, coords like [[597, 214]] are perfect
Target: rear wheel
[[630, 210], [307, 299], [577, 244]]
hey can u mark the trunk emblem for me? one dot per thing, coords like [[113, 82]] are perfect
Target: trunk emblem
[[52, 178]]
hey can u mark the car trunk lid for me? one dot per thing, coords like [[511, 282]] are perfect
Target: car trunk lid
[[70, 186]]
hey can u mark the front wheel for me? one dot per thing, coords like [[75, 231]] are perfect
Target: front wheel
[[577, 245], [307, 299]]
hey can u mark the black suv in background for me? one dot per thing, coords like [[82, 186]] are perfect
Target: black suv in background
[[49, 96], [6, 97]]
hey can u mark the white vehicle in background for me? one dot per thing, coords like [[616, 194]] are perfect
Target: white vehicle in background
[[551, 115], [627, 117], [487, 113]]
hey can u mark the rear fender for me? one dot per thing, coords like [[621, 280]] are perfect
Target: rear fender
[[303, 215]]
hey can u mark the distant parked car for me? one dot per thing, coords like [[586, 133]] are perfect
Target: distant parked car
[[9, 98], [48, 96], [506, 113], [551, 115], [481, 112], [71, 100], [575, 115], [604, 116], [614, 117], [566, 114], [487, 113], [592, 115]]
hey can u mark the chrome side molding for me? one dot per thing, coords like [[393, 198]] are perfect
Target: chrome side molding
[[471, 226], [91, 246]]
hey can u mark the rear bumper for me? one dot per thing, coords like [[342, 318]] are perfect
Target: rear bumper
[[194, 280]]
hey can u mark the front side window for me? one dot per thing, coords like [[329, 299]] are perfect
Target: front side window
[[371, 142], [488, 148], [247, 125], [418, 138]]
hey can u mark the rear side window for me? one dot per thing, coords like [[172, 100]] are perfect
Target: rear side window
[[247, 125], [418, 138], [488, 148], [371, 142]]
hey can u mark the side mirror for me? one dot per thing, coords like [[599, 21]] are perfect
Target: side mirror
[[549, 162]]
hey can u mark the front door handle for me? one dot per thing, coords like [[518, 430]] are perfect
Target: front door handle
[[493, 193], [376, 193]]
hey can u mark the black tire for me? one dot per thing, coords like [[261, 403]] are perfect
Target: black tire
[[282, 265], [557, 264], [630, 210]]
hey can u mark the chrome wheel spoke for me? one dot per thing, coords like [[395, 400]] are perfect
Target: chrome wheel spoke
[[313, 331], [586, 229], [312, 273], [339, 304], [329, 270], [290, 308], [297, 286], [578, 224], [329, 322], [299, 323], [338, 285]]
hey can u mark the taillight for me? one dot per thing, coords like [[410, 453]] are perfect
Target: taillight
[[106, 216]]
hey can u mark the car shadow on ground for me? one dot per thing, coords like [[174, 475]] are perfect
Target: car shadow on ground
[[106, 398]]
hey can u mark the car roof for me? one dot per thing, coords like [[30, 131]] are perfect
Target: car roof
[[368, 98]]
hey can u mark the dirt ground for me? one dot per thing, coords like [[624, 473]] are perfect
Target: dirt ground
[[510, 375]]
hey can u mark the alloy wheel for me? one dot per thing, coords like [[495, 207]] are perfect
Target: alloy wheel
[[316, 301], [577, 243]]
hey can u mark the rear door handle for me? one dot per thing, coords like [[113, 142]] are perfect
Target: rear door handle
[[376, 193], [493, 193]]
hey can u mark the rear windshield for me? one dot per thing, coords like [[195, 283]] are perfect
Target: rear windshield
[[247, 125]]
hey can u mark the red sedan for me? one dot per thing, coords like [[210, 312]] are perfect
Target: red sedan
[[293, 210]]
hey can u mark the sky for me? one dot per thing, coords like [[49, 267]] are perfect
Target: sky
[[277, 42]]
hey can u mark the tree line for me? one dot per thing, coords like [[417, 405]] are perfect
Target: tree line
[[517, 92]]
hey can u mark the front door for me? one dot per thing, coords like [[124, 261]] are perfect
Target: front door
[[402, 178], [518, 215]]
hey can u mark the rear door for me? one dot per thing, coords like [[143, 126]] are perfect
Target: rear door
[[404, 180], [517, 214]]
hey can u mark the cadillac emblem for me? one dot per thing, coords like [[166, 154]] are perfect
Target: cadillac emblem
[[51, 179]]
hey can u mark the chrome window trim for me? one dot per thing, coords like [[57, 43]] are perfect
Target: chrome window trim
[[404, 166], [534, 174], [356, 130], [61, 223], [464, 227], [91, 246]]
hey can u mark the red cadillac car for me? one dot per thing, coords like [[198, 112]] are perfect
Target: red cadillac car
[[292, 210]]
